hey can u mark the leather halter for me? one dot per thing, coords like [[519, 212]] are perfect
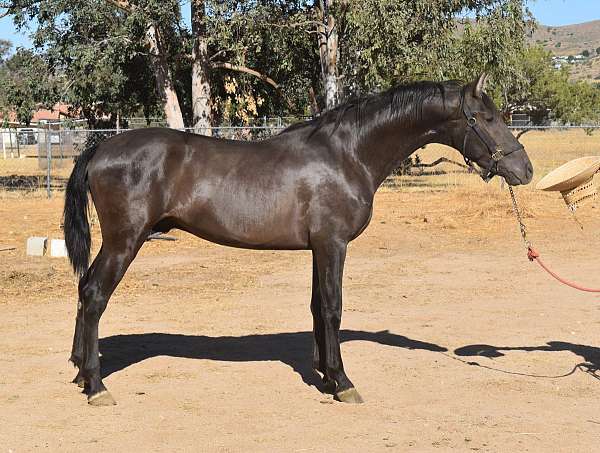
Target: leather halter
[[497, 152]]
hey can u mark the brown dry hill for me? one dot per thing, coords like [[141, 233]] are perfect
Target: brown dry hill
[[573, 40], [569, 39]]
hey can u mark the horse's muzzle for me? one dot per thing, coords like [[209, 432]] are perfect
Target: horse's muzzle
[[516, 168]]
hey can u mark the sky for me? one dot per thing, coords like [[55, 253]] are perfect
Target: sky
[[547, 12]]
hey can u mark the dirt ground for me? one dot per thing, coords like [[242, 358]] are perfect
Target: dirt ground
[[454, 339]]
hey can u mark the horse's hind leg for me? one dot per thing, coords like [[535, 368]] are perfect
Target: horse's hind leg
[[77, 351], [104, 276]]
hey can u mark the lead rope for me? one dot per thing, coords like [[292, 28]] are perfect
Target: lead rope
[[522, 227], [532, 254]]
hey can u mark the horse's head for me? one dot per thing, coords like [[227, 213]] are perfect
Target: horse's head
[[486, 140]]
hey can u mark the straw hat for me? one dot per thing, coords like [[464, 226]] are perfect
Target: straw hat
[[574, 180]]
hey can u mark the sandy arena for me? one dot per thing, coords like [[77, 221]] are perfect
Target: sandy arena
[[453, 338]]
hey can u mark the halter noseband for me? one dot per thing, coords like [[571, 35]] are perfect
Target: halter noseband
[[497, 153]]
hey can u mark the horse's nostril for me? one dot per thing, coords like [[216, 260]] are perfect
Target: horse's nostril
[[529, 172]]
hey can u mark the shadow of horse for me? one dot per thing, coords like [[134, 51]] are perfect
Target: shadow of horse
[[589, 354], [293, 348]]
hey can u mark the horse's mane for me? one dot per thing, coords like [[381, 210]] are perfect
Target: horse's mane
[[403, 102]]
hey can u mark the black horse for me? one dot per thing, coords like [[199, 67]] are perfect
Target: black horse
[[310, 187]]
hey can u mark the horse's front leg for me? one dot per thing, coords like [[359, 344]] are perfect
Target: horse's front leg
[[319, 331], [330, 255]]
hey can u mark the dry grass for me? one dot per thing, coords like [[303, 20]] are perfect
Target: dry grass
[[29, 166]]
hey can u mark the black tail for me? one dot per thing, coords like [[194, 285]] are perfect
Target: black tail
[[77, 229]]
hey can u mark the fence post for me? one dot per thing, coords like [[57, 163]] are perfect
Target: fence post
[[60, 146], [48, 161], [18, 146], [11, 143]]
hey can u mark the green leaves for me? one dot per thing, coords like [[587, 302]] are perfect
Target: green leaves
[[95, 56], [275, 38], [25, 85], [388, 42], [94, 53]]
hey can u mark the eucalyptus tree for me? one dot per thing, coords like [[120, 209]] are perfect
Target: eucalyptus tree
[[385, 42], [266, 47], [202, 102], [108, 51], [25, 85], [367, 45], [96, 53], [246, 58]]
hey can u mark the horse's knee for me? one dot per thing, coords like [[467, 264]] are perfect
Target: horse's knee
[[93, 301]]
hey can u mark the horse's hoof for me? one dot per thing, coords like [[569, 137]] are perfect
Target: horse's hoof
[[103, 398], [329, 386], [349, 396], [79, 380]]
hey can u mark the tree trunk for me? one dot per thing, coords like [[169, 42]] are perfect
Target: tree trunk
[[328, 51], [201, 93], [164, 81], [162, 73]]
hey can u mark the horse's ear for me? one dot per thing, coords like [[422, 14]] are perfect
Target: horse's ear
[[480, 85]]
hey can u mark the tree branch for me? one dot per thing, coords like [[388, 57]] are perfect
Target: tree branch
[[246, 70], [316, 23], [520, 134], [441, 160], [222, 51], [215, 55], [294, 24]]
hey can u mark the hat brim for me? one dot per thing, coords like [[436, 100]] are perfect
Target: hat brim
[[570, 175]]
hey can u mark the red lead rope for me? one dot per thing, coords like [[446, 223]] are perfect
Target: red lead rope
[[532, 254]]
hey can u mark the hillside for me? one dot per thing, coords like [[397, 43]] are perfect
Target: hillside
[[569, 39], [573, 40]]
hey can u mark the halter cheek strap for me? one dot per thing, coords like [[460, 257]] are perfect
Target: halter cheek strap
[[497, 153]]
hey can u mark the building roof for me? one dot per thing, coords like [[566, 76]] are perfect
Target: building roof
[[60, 110], [57, 111]]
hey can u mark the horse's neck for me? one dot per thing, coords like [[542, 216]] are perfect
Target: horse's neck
[[382, 150]]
